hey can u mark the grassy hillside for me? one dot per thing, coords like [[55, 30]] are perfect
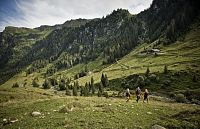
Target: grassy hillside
[[96, 113], [181, 55], [61, 56]]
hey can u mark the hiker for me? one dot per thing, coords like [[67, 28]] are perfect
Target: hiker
[[146, 94], [128, 95], [138, 93]]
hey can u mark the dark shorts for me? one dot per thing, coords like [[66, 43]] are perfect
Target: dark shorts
[[138, 96], [128, 95], [145, 97]]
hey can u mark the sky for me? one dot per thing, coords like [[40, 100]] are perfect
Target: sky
[[34, 13]]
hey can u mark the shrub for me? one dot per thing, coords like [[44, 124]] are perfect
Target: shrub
[[180, 98], [75, 90], [153, 77], [15, 85], [99, 93], [140, 81], [194, 79], [35, 84], [62, 86], [147, 82], [53, 82], [82, 91], [167, 82], [68, 91], [46, 84], [172, 95], [105, 94], [195, 101]]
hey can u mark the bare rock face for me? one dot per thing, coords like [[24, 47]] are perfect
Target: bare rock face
[[35, 113], [157, 127]]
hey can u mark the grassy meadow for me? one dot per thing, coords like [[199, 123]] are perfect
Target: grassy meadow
[[99, 112]]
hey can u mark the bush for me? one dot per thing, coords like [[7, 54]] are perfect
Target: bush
[[195, 101], [99, 93], [35, 84], [146, 82], [105, 94], [67, 91], [180, 98], [172, 95], [62, 86], [194, 79], [46, 84], [53, 82], [167, 82], [140, 81], [153, 77], [15, 85], [75, 90]]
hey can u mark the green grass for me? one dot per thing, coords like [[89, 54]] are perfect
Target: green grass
[[181, 55], [94, 112]]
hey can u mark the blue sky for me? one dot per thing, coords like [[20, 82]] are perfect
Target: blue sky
[[33, 13]]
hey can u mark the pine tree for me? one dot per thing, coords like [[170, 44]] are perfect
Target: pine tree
[[100, 90], [170, 34], [75, 90], [104, 80], [82, 91], [92, 85], [165, 69], [147, 71], [89, 87], [86, 89], [15, 85]]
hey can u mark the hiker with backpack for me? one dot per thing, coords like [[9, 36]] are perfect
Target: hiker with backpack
[[128, 95], [138, 93], [146, 94]]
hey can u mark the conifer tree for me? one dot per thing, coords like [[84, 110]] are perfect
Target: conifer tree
[[104, 80], [147, 71], [75, 90], [86, 89], [92, 85], [165, 69], [100, 90]]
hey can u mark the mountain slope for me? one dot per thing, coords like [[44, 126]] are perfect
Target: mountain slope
[[81, 41]]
